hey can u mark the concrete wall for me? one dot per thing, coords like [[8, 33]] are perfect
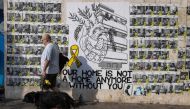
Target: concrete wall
[[118, 95]]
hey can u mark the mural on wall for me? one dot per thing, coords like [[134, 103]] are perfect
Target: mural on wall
[[153, 43], [138, 48], [102, 35], [100, 30]]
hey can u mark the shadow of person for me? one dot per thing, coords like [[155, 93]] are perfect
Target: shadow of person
[[87, 92]]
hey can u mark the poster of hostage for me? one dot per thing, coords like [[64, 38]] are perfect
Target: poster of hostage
[[97, 79]]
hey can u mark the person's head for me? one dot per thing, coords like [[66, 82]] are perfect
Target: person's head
[[46, 39]]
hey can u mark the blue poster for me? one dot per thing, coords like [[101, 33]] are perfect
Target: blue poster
[[1, 49]]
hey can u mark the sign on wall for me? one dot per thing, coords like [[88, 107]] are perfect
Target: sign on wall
[[100, 31]]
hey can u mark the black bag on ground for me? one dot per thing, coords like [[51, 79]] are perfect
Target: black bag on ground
[[62, 61]]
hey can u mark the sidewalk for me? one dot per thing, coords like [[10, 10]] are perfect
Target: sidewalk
[[18, 104]]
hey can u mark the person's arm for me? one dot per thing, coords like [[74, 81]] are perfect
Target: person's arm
[[46, 64], [47, 61]]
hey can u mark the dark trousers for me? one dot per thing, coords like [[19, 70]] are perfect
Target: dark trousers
[[49, 82]]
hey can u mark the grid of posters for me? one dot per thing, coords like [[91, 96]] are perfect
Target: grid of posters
[[159, 62], [27, 20]]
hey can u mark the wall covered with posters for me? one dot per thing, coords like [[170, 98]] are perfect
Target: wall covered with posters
[[117, 50]]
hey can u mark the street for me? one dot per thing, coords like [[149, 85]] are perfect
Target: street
[[18, 104]]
